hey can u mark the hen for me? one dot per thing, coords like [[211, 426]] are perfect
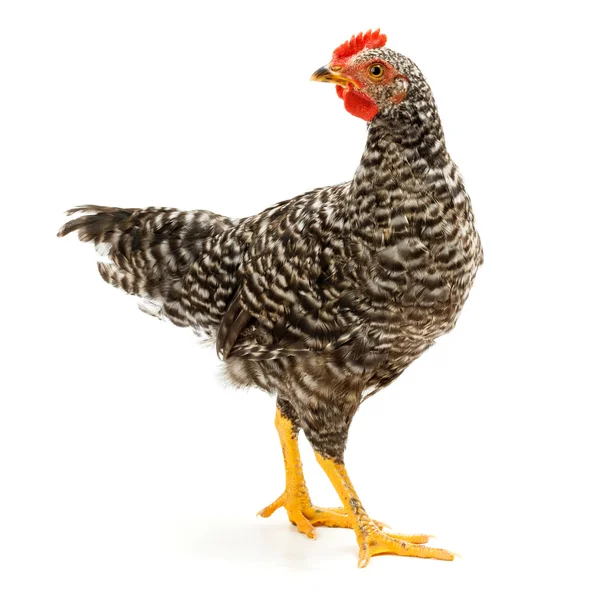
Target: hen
[[324, 299]]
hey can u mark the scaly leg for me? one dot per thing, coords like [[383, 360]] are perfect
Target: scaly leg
[[296, 499], [371, 540]]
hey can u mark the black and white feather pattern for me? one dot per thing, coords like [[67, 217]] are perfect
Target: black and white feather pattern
[[323, 299]]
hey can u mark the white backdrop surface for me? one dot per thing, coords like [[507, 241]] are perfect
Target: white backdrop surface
[[127, 469]]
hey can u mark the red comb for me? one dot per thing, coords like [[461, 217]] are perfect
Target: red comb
[[371, 39]]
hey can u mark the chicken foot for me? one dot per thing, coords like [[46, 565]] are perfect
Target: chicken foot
[[296, 499], [371, 540]]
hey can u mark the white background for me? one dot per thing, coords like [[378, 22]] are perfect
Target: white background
[[127, 470]]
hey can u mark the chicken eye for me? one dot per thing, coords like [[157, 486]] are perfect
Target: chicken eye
[[376, 71]]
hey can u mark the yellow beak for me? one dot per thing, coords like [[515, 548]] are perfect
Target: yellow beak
[[327, 75]]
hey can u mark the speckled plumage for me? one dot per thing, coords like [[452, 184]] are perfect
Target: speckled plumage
[[326, 298]]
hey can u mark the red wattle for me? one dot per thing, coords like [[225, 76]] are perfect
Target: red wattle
[[357, 103]]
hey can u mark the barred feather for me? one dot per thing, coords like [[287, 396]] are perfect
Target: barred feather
[[149, 251], [328, 297]]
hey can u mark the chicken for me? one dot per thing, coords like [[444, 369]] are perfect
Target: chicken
[[324, 299]]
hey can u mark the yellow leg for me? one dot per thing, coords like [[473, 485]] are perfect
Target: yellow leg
[[296, 499], [371, 540]]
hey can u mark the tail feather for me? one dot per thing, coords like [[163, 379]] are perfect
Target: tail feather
[[91, 226], [148, 251]]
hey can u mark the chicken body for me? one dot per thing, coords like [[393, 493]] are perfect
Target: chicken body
[[324, 299]]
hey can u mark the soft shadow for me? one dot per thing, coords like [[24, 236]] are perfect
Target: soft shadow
[[265, 541]]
